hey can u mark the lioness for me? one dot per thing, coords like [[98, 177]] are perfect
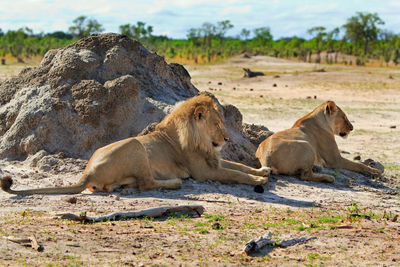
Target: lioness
[[185, 143], [311, 141]]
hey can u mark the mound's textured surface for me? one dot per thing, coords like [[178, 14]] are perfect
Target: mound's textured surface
[[98, 90]]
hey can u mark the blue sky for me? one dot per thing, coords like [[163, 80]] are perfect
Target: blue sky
[[175, 17]]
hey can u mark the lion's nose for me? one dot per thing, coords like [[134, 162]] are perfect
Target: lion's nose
[[351, 127], [226, 139]]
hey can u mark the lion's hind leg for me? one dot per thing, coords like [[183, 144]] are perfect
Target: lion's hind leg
[[174, 183], [309, 175], [144, 178]]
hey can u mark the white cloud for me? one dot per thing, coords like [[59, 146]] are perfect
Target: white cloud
[[317, 8], [236, 10]]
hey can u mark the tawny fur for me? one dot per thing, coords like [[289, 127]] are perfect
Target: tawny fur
[[186, 143], [311, 142]]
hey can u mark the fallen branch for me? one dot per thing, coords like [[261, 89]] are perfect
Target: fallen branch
[[249, 74], [162, 211], [27, 242], [256, 245]]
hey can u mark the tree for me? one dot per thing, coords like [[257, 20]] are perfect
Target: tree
[[263, 34], [223, 27], [363, 29], [318, 33], [84, 27], [60, 35], [244, 33], [138, 31]]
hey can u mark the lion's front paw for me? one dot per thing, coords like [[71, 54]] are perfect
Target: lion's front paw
[[265, 171], [375, 172], [260, 180]]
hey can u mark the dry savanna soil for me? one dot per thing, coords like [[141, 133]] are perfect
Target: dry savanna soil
[[353, 222]]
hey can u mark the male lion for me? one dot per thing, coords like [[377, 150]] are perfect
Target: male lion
[[185, 143], [311, 141]]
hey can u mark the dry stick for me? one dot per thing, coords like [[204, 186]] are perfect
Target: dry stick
[[262, 241], [151, 213], [29, 242]]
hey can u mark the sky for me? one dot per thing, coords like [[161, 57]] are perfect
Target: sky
[[174, 18]]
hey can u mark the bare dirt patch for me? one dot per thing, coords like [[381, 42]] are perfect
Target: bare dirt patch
[[353, 220]]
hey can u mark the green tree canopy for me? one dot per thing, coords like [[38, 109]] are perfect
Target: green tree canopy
[[138, 31], [363, 29], [263, 34], [84, 27]]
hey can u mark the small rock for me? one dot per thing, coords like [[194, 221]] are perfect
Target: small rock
[[374, 164], [251, 89], [277, 76], [274, 85], [357, 157], [393, 127], [315, 97], [219, 83], [72, 200], [259, 189]]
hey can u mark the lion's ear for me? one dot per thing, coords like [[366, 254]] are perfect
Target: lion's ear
[[330, 107], [200, 112]]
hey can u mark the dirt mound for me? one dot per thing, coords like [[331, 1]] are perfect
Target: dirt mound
[[98, 90], [95, 91]]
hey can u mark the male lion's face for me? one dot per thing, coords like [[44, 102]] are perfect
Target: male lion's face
[[211, 123], [342, 125]]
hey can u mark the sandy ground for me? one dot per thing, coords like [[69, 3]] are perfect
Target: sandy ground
[[234, 214]]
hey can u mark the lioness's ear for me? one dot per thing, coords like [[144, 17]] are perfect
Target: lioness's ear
[[330, 107], [200, 112]]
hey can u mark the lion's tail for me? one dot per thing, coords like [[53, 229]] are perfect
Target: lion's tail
[[6, 183]]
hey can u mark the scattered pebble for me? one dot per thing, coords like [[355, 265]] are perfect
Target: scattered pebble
[[274, 85], [374, 164], [259, 189], [393, 127], [357, 157], [72, 200], [219, 83]]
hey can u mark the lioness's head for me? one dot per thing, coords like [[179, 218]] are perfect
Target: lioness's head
[[340, 124]]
